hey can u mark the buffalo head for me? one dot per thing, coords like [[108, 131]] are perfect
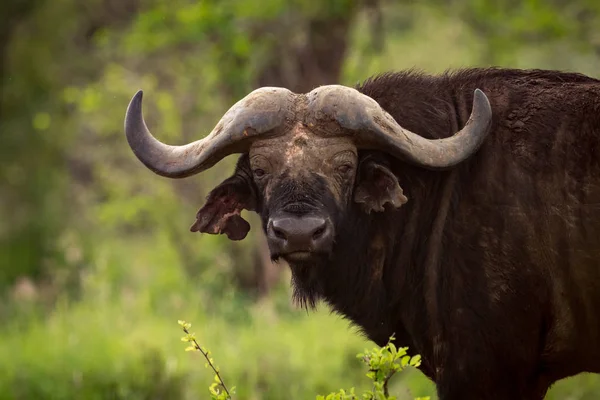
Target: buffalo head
[[300, 169]]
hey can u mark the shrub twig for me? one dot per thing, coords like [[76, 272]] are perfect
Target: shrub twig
[[191, 338]]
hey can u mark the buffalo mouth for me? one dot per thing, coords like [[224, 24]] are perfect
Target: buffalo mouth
[[300, 258]]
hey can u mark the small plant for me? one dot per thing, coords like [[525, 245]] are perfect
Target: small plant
[[218, 390], [383, 363]]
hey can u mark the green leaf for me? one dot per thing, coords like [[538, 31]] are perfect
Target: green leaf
[[415, 361], [41, 121], [405, 361]]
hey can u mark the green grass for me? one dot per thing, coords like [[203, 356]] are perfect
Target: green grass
[[122, 340]]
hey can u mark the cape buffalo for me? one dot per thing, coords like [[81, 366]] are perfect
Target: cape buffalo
[[460, 212]]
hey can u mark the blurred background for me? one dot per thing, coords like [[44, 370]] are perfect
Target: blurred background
[[97, 263]]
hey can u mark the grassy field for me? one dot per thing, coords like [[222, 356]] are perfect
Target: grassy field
[[122, 341]]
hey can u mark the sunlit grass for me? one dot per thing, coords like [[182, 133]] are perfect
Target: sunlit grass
[[122, 340]]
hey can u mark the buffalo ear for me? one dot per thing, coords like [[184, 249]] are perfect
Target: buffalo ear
[[376, 186], [221, 213]]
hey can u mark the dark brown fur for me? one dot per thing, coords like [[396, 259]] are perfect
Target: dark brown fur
[[511, 300], [491, 270]]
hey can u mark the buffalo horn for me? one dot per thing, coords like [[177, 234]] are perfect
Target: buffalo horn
[[372, 127], [261, 111]]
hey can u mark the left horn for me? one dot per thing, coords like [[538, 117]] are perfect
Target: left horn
[[372, 127]]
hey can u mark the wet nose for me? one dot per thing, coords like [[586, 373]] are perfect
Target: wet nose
[[308, 233]]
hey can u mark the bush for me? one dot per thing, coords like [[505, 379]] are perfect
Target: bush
[[382, 362]]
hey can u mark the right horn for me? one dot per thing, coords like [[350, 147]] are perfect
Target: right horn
[[372, 127], [261, 111]]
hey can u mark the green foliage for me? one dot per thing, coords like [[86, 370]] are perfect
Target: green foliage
[[505, 23], [95, 256], [100, 346], [75, 355], [35, 131], [382, 362], [218, 390]]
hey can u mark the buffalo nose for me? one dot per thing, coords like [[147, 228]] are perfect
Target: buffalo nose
[[306, 233]]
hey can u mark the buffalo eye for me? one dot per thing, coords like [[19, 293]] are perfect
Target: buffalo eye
[[344, 169], [259, 172]]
